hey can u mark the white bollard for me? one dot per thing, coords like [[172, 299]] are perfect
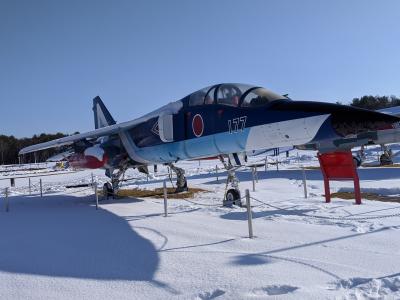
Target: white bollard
[[249, 214], [6, 198], [216, 172], [41, 187], [165, 199], [304, 183], [96, 195]]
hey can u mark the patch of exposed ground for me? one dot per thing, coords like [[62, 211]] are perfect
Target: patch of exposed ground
[[366, 196], [159, 193]]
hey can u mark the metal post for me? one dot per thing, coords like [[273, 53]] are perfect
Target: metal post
[[30, 190], [254, 182], [249, 214], [304, 183], [256, 173], [92, 180], [7, 204], [96, 195], [216, 172], [41, 190], [277, 165], [266, 163], [165, 199]]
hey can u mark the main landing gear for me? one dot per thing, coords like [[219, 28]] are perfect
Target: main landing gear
[[181, 182], [387, 157], [110, 188], [232, 195]]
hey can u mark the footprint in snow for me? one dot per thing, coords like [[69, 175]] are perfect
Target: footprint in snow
[[274, 290], [210, 295]]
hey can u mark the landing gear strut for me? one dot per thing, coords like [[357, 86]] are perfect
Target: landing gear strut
[[110, 188], [181, 182], [232, 195]]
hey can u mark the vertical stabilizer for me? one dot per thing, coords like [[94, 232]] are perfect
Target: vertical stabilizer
[[102, 116]]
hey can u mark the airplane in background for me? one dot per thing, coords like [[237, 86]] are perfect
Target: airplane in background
[[222, 121]]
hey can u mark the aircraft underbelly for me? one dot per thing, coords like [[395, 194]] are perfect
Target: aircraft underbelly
[[285, 133]]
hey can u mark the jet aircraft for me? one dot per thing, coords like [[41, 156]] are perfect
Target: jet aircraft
[[221, 120]]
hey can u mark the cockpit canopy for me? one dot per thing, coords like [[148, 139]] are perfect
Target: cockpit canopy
[[233, 94]]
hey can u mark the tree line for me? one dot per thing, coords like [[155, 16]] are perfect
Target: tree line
[[10, 146], [375, 102]]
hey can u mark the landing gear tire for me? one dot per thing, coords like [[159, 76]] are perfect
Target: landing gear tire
[[232, 197], [108, 190]]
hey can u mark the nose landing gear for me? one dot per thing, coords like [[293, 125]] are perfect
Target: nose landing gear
[[232, 195]]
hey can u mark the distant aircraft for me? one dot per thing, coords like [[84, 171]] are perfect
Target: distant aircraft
[[222, 121]]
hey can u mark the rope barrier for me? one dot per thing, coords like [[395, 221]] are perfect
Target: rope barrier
[[333, 218], [201, 204]]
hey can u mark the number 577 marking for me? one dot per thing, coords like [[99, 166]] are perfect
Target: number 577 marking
[[237, 124]]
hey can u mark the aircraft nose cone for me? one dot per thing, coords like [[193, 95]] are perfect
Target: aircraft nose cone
[[345, 120], [355, 120]]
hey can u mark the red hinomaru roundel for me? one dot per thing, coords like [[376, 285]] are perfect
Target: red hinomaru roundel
[[197, 125]]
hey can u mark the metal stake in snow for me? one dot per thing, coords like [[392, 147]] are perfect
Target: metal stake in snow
[[41, 190], [165, 199], [92, 180], [216, 172], [6, 198], [304, 182], [96, 195], [266, 163], [249, 215], [30, 190], [253, 171]]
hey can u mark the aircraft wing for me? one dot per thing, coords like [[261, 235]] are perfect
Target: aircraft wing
[[172, 107], [394, 111], [68, 140]]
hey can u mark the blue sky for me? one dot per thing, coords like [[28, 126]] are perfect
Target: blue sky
[[55, 56]]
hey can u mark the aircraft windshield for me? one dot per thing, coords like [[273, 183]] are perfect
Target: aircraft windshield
[[260, 97], [231, 94]]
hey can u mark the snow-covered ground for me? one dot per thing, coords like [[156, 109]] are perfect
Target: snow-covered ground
[[61, 247]]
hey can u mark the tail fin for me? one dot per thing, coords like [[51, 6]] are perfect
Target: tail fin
[[102, 116]]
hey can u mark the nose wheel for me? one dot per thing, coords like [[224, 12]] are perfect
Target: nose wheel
[[232, 195]]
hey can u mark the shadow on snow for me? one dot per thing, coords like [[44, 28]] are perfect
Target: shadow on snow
[[51, 237]]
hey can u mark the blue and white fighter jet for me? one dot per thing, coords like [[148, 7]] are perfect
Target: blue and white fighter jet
[[222, 121]]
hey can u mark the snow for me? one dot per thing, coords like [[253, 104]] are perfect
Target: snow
[[60, 246]]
